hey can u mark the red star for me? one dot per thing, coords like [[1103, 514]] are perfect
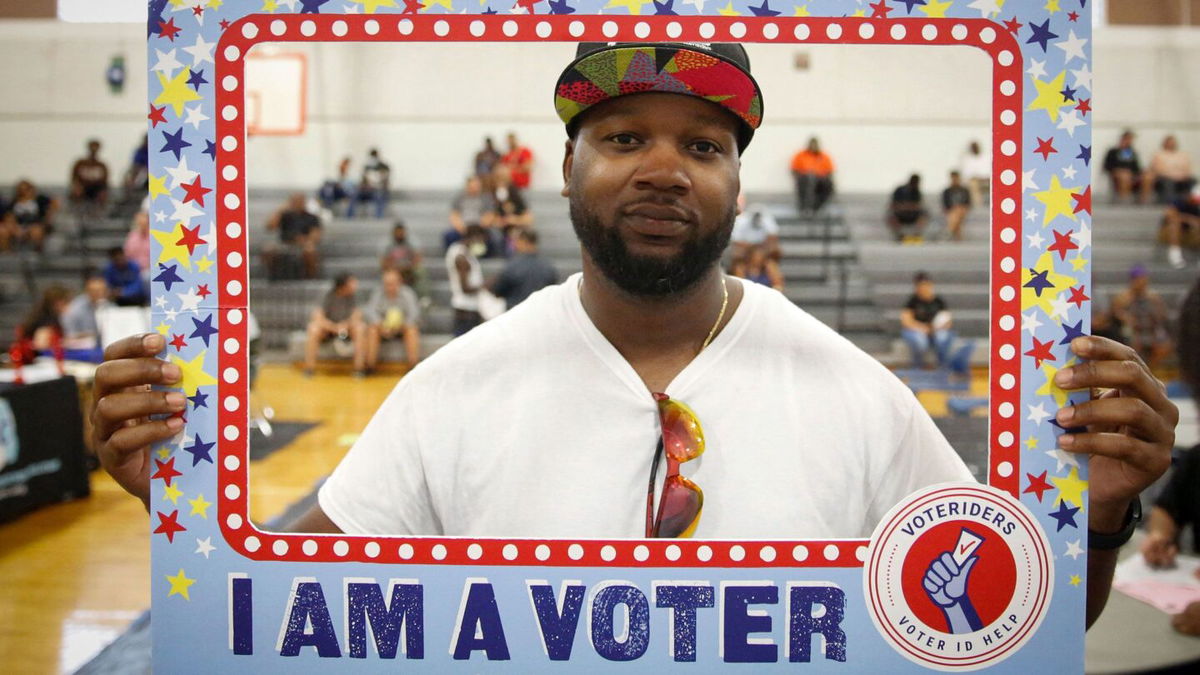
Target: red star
[[1062, 244], [166, 471], [1084, 106], [202, 291], [157, 115], [191, 238], [1083, 202], [168, 29], [1072, 16], [1012, 25], [1041, 352], [224, 24], [880, 10], [195, 192], [1037, 485], [169, 525], [528, 4], [1045, 148], [178, 342], [1077, 296], [412, 6], [197, 10]]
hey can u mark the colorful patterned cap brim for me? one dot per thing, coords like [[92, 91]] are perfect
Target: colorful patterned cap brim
[[719, 73]]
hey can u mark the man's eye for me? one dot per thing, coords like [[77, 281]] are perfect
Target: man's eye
[[623, 139], [706, 147]]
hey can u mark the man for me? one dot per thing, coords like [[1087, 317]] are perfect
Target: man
[[925, 323], [401, 255], [554, 401], [754, 226], [906, 215], [1144, 319], [526, 273], [392, 312], [337, 317], [127, 286], [472, 206], [89, 179], [79, 326], [27, 218], [466, 278], [975, 165], [1180, 217], [1123, 167], [1169, 175], [812, 171], [519, 160], [299, 230], [373, 187], [956, 204]]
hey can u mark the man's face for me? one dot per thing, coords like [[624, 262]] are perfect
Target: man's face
[[512, 141], [96, 288], [925, 290], [399, 235], [653, 181], [391, 282], [1170, 144]]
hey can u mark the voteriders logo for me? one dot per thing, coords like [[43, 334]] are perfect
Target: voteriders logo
[[958, 576]]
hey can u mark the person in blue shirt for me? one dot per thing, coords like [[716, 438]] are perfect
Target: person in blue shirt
[[124, 279]]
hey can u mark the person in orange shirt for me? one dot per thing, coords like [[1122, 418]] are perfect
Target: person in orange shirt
[[813, 171]]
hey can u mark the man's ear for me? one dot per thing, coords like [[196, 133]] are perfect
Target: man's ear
[[568, 161]]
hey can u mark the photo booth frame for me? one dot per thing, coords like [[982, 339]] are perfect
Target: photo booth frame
[[207, 560]]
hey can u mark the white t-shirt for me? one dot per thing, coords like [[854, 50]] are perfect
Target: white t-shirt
[[754, 225], [533, 425], [458, 298]]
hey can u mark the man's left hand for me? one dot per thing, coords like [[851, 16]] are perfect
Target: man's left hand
[[1128, 428]]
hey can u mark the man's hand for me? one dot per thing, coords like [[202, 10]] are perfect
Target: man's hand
[[1188, 621], [1159, 550], [122, 430]]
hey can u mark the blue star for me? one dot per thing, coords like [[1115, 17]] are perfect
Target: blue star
[[1041, 34], [665, 8], [1071, 332], [1039, 282], [908, 5], [561, 7], [168, 276], [210, 149], [1065, 515], [1085, 153], [311, 6], [155, 17], [489, 10], [763, 10], [199, 400], [196, 78], [200, 450], [1069, 430], [204, 329], [175, 143], [1068, 94]]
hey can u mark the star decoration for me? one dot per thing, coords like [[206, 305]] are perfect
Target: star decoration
[[1057, 200], [1041, 34], [175, 142], [1031, 443], [204, 264], [204, 547], [172, 493], [1041, 352], [1085, 153], [1045, 148], [1072, 47], [1062, 244], [1060, 307], [1038, 282], [798, 10], [1083, 237], [162, 329], [1073, 16], [1068, 94], [158, 186], [1049, 96], [171, 248], [176, 92], [200, 450], [1027, 182], [203, 329], [1084, 106], [166, 471], [157, 115], [195, 79], [1037, 413], [1052, 6], [1083, 77], [1083, 201], [763, 10], [1078, 263], [167, 275], [1075, 580], [180, 174], [1071, 121], [199, 400], [1074, 550], [1063, 459], [169, 525], [1077, 296], [180, 584], [311, 6], [1070, 489], [1013, 26], [727, 10], [210, 149], [908, 5], [194, 375], [184, 211], [1068, 172], [195, 117], [987, 8], [166, 64], [168, 29], [1065, 515], [1071, 332], [1049, 388], [1030, 322], [195, 192], [1037, 485], [880, 10], [1036, 68], [201, 51], [561, 7], [199, 506], [202, 291], [528, 5], [1035, 239], [178, 342], [936, 9]]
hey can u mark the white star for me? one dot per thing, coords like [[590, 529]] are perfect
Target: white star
[[987, 8], [204, 546], [1072, 47], [517, 9], [1063, 459], [1070, 121], [1030, 322], [167, 64], [1027, 183], [170, 314], [1038, 414], [350, 9], [195, 117], [1035, 239], [698, 4], [181, 173], [1083, 77], [184, 212], [201, 51], [209, 237], [1036, 68], [1031, 215], [1074, 549], [160, 216], [1069, 172], [1060, 308], [1083, 237], [190, 301], [160, 301], [290, 4]]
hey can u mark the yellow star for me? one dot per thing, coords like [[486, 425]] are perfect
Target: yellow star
[[1078, 263], [728, 10], [180, 584], [203, 264], [162, 329], [1057, 200], [173, 493], [177, 3], [936, 9], [215, 4], [170, 249], [430, 3], [1051, 389], [1031, 443], [1075, 580], [860, 13], [634, 6], [176, 91], [199, 506], [1052, 6], [1070, 489], [194, 376], [802, 10], [270, 6], [1058, 284], [158, 186], [165, 451], [369, 6], [1049, 96]]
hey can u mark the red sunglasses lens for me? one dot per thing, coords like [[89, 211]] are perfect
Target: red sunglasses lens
[[679, 511]]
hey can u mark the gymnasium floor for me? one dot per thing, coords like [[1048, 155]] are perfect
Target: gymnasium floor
[[74, 575]]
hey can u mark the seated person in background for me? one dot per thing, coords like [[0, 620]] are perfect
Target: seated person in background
[[402, 255], [1169, 174], [27, 217], [525, 273], [1178, 506], [925, 323], [755, 265], [373, 187], [813, 174], [754, 226], [956, 203], [392, 312], [1182, 215], [42, 327], [89, 180], [1123, 167], [340, 318], [466, 277], [127, 287], [511, 208], [79, 326], [519, 160], [338, 189], [1143, 317], [472, 206], [136, 180], [137, 242], [486, 160], [299, 229], [906, 214], [976, 168]]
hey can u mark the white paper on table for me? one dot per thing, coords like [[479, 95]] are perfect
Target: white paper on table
[[1169, 590]]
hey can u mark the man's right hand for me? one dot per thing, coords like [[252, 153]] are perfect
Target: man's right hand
[[122, 430], [1159, 550]]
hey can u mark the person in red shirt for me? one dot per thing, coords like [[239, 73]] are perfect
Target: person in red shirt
[[519, 160], [813, 171]]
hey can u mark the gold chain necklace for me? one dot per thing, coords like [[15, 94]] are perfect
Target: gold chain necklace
[[720, 315]]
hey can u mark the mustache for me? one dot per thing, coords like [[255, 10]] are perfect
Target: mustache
[[659, 209]]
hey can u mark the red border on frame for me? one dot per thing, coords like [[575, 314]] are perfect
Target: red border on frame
[[232, 478]]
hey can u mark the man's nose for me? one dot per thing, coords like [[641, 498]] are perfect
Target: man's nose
[[663, 168]]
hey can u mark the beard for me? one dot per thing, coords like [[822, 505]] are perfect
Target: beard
[[648, 276]]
